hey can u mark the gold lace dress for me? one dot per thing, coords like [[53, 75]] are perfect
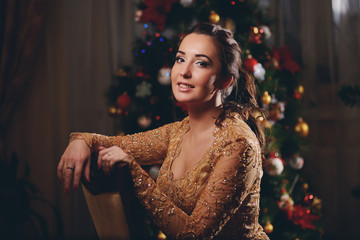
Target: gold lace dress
[[218, 198]]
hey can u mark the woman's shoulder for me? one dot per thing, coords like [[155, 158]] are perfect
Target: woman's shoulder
[[235, 129], [177, 126]]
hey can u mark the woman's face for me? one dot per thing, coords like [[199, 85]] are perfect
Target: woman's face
[[196, 71]]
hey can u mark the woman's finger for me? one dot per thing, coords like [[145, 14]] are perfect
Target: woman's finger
[[102, 152], [68, 173], [77, 174]]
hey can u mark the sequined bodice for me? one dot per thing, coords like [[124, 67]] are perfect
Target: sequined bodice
[[218, 198]]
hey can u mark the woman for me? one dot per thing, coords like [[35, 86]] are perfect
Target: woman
[[208, 185]]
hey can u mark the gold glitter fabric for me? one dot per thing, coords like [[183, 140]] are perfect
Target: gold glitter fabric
[[218, 198]]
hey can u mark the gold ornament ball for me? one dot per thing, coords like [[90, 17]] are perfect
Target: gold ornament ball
[[161, 236], [266, 124], [214, 17], [122, 73], [305, 186], [119, 111], [112, 111], [266, 98], [268, 228], [302, 128], [300, 89]]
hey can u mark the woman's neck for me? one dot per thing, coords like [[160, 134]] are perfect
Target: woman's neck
[[202, 116]]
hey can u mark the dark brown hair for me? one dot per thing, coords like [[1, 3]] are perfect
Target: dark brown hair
[[241, 95]]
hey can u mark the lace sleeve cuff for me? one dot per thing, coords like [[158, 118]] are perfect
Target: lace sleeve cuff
[[87, 137]]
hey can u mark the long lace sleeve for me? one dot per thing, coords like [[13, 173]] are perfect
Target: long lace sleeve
[[230, 182], [147, 147]]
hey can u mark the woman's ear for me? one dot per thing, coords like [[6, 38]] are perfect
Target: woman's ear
[[225, 82]]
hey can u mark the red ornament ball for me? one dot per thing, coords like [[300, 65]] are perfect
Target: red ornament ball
[[123, 101], [250, 63]]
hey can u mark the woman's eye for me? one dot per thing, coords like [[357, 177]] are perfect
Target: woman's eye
[[203, 64], [179, 59]]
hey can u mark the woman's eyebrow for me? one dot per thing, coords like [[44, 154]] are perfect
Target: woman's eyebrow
[[197, 55]]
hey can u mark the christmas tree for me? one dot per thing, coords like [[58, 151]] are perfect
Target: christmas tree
[[140, 99]]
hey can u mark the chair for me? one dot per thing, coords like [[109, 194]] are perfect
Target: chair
[[105, 204], [107, 213]]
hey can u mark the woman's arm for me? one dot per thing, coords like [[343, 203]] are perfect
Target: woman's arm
[[228, 185], [148, 148]]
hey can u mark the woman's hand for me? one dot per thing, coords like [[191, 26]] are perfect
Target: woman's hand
[[109, 157], [75, 158]]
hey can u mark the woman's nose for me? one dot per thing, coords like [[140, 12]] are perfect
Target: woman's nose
[[185, 71]]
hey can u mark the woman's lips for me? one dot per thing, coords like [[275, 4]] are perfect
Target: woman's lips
[[184, 86]]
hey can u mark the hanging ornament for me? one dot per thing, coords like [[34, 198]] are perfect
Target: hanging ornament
[[255, 35], [267, 124], [143, 90], [275, 166], [139, 74], [302, 127], [122, 73], [123, 101], [137, 15], [265, 98], [268, 228], [259, 72], [286, 202], [186, 3], [308, 198], [300, 89], [274, 112], [281, 106], [316, 205], [112, 111], [214, 17], [305, 186], [299, 92], [255, 67], [144, 121], [296, 162], [164, 77], [266, 31]]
